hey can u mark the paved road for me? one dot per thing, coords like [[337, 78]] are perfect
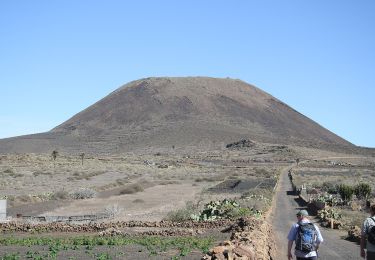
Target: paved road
[[284, 215]]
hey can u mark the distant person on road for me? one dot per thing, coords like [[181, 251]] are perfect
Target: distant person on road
[[306, 236], [366, 234]]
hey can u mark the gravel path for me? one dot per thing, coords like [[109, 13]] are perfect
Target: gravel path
[[283, 216]]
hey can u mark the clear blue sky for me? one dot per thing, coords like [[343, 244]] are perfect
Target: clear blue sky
[[59, 57]]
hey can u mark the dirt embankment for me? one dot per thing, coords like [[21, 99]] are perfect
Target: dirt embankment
[[251, 239]]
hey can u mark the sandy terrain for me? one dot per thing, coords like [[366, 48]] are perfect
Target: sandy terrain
[[147, 186], [154, 203]]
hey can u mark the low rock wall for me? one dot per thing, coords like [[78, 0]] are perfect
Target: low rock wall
[[20, 226], [251, 239]]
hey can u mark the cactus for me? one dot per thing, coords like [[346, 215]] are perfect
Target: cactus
[[329, 213], [329, 200], [223, 209]]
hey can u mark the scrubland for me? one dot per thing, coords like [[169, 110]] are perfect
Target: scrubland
[[169, 187]]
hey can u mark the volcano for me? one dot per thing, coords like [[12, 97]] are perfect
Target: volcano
[[179, 112]]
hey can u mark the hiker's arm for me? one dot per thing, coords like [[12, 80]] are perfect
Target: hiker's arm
[[319, 239], [362, 245], [290, 243], [363, 239]]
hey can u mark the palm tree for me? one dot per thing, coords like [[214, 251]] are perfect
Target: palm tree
[[82, 155], [297, 161], [54, 156]]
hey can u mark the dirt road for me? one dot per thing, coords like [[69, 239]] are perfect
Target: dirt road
[[284, 215]]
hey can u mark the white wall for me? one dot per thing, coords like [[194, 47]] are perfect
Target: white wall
[[3, 210]]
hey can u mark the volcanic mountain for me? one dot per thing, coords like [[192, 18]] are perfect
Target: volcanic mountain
[[181, 112]]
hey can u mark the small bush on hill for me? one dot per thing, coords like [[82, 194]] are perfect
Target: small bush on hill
[[113, 210], [133, 188], [182, 214], [83, 194], [8, 171], [60, 195]]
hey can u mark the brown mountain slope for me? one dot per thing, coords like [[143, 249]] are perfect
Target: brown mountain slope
[[191, 111]]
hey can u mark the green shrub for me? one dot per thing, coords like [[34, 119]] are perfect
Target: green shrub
[[362, 190], [329, 187], [14, 256], [346, 192]]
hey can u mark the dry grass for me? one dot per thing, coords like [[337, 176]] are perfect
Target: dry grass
[[183, 214], [353, 218], [60, 195], [167, 182], [131, 189], [138, 201]]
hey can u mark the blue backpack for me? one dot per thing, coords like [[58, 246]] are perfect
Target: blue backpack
[[306, 237]]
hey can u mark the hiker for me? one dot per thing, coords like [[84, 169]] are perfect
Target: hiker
[[306, 236], [366, 234]]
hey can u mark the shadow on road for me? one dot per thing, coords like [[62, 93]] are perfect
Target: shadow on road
[[300, 202], [313, 211]]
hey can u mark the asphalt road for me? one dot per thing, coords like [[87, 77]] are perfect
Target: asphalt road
[[284, 215]]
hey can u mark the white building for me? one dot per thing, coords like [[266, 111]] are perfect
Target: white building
[[3, 210]]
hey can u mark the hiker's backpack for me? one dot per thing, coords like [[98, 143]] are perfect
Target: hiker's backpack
[[306, 237], [371, 233]]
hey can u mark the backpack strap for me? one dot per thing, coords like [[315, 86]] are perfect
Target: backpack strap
[[373, 220], [306, 224]]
